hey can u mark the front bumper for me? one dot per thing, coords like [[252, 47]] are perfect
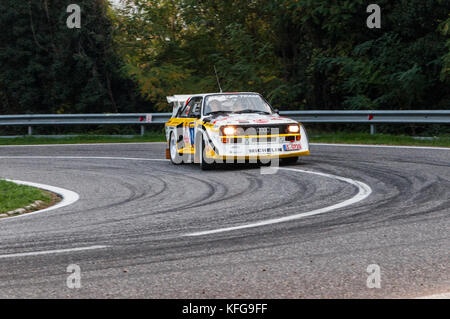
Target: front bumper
[[274, 146], [213, 155], [256, 151]]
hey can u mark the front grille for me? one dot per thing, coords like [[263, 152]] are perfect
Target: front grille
[[265, 129], [258, 133]]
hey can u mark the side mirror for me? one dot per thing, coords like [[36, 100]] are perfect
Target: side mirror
[[277, 111]]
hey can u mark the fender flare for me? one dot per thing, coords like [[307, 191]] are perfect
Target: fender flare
[[202, 133], [198, 136]]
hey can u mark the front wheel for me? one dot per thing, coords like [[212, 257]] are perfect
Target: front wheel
[[205, 163], [289, 160]]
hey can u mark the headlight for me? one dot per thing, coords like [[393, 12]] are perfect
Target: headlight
[[229, 130], [293, 128]]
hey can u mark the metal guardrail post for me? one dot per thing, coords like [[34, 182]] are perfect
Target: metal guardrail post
[[142, 130], [373, 129], [30, 130]]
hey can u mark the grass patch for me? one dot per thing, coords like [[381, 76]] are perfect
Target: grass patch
[[13, 196], [83, 139], [377, 139]]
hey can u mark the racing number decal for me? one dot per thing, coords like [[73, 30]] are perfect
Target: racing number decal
[[186, 138], [192, 132], [189, 135]]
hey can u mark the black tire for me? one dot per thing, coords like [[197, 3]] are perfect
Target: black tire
[[289, 160], [263, 162], [175, 157], [205, 164]]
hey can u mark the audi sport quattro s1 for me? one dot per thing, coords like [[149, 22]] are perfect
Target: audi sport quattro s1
[[227, 127]]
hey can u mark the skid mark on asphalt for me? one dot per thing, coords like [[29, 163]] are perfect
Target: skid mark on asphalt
[[364, 191]]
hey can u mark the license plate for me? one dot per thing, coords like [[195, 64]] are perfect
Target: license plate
[[292, 147]]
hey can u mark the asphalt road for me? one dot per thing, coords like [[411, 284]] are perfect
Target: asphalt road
[[140, 212]]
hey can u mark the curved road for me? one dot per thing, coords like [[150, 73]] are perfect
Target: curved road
[[130, 231]]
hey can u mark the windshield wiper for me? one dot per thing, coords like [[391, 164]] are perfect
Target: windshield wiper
[[251, 111]]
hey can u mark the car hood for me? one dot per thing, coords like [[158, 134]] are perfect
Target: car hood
[[250, 118]]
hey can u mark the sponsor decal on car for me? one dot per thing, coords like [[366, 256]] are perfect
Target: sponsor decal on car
[[264, 150], [292, 147], [192, 135]]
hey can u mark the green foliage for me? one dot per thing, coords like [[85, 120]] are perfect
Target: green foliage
[[49, 68], [445, 30], [300, 54]]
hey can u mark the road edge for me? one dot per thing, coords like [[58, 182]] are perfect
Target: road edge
[[68, 197]]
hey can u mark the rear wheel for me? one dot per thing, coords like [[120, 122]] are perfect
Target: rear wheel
[[175, 157]]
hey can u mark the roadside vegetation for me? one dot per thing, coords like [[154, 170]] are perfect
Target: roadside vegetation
[[299, 54], [13, 196], [314, 137], [84, 139]]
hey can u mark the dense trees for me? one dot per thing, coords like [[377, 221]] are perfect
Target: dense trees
[[301, 54], [48, 68]]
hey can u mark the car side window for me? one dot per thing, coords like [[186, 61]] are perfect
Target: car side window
[[195, 108], [187, 108], [180, 110]]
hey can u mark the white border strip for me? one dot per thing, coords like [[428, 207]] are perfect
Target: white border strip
[[48, 252], [86, 157], [68, 197], [436, 296], [364, 191]]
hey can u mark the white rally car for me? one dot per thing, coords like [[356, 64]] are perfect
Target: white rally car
[[228, 127]]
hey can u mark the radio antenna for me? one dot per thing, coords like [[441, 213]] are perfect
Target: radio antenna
[[217, 77]]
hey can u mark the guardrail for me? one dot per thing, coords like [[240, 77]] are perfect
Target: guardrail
[[143, 119]]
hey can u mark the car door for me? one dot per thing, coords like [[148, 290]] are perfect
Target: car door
[[190, 120]]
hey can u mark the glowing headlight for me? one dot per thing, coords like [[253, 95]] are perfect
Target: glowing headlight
[[229, 130], [293, 128]]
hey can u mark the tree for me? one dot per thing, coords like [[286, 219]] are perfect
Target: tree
[[49, 68]]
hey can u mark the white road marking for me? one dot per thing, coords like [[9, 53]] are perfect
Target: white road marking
[[364, 191], [48, 252], [436, 296], [84, 157], [384, 146], [68, 197]]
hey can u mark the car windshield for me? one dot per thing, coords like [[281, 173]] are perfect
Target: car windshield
[[236, 103]]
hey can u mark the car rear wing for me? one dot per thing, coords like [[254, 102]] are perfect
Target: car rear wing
[[177, 101]]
